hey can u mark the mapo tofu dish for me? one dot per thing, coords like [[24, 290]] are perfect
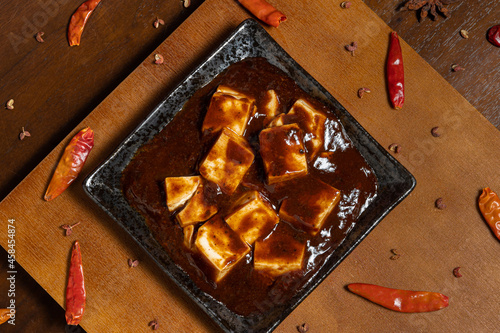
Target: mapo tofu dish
[[250, 187]]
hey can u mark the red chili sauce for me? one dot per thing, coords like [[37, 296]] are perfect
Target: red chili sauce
[[178, 150]]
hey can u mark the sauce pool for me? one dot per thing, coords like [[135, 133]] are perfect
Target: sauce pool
[[178, 150]]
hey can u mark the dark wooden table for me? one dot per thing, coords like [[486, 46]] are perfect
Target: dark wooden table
[[55, 86]]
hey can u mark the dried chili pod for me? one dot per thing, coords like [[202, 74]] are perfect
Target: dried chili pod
[[494, 35], [264, 11], [489, 204], [75, 291], [71, 163], [400, 300], [395, 72], [5, 314], [78, 21]]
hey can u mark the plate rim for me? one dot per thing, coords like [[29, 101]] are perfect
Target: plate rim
[[410, 181]]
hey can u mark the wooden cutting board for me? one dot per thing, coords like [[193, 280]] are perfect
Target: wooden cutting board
[[454, 166]]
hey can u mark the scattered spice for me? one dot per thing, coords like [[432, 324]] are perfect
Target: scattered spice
[[395, 72], [133, 263], [362, 91], [24, 134], [352, 47], [158, 59], [78, 21], [440, 204], [395, 255], [69, 228], [456, 272], [400, 300], [464, 34], [345, 4], [187, 3], [9, 105], [489, 205], [436, 132], [5, 315], [264, 11], [158, 22], [494, 35], [153, 324], [38, 37], [428, 6], [457, 68], [303, 328], [394, 147], [75, 290], [71, 163]]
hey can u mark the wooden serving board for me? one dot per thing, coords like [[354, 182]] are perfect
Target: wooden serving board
[[454, 166]]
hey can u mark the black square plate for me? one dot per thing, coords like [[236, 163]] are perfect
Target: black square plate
[[248, 40]]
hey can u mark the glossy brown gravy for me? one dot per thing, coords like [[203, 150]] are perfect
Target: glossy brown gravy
[[177, 151]]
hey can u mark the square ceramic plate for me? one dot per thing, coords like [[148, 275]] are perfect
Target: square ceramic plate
[[248, 40]]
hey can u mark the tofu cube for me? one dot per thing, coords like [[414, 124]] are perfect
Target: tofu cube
[[179, 190], [252, 217], [220, 246], [188, 235], [312, 122], [270, 107], [198, 209], [279, 120], [280, 253], [310, 206], [228, 161], [228, 108], [283, 153]]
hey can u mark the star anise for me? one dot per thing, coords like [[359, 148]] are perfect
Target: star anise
[[428, 6]]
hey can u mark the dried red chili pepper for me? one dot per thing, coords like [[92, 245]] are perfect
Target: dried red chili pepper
[[400, 300], [395, 72], [489, 204], [264, 11], [71, 163], [5, 315], [78, 21], [494, 35], [75, 291]]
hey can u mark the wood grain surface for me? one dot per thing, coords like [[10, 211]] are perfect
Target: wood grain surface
[[55, 86], [433, 242], [439, 42]]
